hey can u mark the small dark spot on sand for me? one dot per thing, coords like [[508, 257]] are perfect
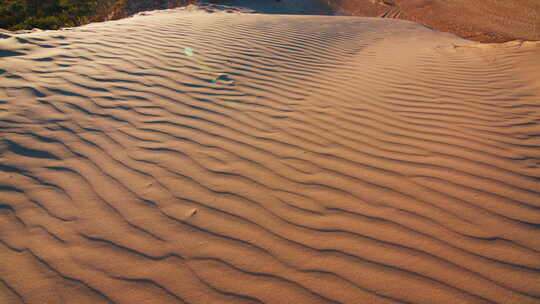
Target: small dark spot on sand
[[192, 212]]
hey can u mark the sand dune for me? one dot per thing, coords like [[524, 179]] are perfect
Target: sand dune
[[186, 157], [284, 7], [481, 20]]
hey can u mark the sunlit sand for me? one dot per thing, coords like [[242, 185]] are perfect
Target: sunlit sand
[[205, 155]]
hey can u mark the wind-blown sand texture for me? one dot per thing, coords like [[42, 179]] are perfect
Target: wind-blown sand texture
[[480, 20], [291, 159]]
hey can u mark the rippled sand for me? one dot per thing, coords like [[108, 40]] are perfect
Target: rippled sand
[[187, 157], [479, 20]]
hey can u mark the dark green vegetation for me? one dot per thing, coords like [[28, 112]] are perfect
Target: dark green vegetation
[[54, 14], [49, 14]]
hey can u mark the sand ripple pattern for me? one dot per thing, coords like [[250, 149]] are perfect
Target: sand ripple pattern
[[291, 159]]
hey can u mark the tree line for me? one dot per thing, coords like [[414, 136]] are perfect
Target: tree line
[[54, 14]]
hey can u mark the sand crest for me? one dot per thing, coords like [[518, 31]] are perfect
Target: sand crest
[[187, 157]]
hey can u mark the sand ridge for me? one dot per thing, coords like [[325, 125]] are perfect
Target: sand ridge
[[289, 159]]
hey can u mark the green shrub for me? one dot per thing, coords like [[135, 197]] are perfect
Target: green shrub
[[49, 22], [54, 14]]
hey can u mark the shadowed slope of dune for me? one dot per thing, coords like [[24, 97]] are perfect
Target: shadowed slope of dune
[[185, 157], [481, 20], [304, 7]]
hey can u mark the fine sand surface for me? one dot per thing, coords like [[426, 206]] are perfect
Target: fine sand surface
[[480, 20], [289, 159]]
